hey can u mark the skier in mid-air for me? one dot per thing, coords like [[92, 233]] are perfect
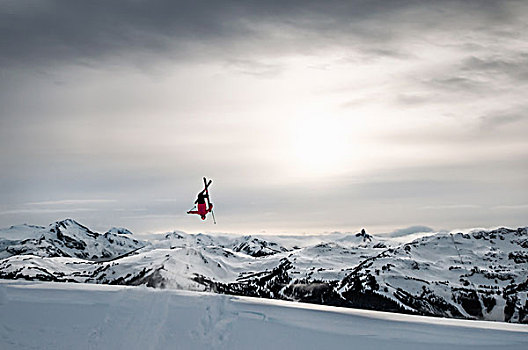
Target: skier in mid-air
[[203, 208]]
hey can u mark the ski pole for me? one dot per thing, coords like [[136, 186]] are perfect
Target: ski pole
[[214, 220]]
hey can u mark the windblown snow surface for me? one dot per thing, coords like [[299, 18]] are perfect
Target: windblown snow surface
[[47, 315]]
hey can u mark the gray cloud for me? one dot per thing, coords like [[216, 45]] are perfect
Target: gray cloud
[[457, 206], [46, 211], [498, 119], [458, 84], [512, 207], [254, 68], [410, 230], [72, 202], [504, 72], [118, 100], [513, 65], [82, 32]]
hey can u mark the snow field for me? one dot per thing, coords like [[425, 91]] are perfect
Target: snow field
[[82, 316]]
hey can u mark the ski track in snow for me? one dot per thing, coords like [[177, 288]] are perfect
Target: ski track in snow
[[122, 314], [78, 316], [215, 325]]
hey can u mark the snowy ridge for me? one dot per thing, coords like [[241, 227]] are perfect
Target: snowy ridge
[[257, 247], [476, 275], [66, 238]]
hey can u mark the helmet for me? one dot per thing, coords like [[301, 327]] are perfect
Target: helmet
[[203, 217]]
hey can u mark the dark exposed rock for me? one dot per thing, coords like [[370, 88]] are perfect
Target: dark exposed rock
[[364, 235], [489, 302], [427, 303], [469, 301], [509, 309], [519, 257], [370, 300], [265, 284]]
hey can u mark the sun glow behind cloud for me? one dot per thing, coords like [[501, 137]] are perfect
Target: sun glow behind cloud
[[320, 146]]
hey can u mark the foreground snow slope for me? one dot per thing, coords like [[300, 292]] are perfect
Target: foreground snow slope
[[84, 316]]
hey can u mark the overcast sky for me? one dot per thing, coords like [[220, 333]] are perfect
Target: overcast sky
[[309, 116]]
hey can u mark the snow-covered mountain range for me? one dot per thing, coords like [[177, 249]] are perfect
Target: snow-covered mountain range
[[477, 275], [66, 238]]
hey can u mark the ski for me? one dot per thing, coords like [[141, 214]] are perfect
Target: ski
[[206, 184]]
